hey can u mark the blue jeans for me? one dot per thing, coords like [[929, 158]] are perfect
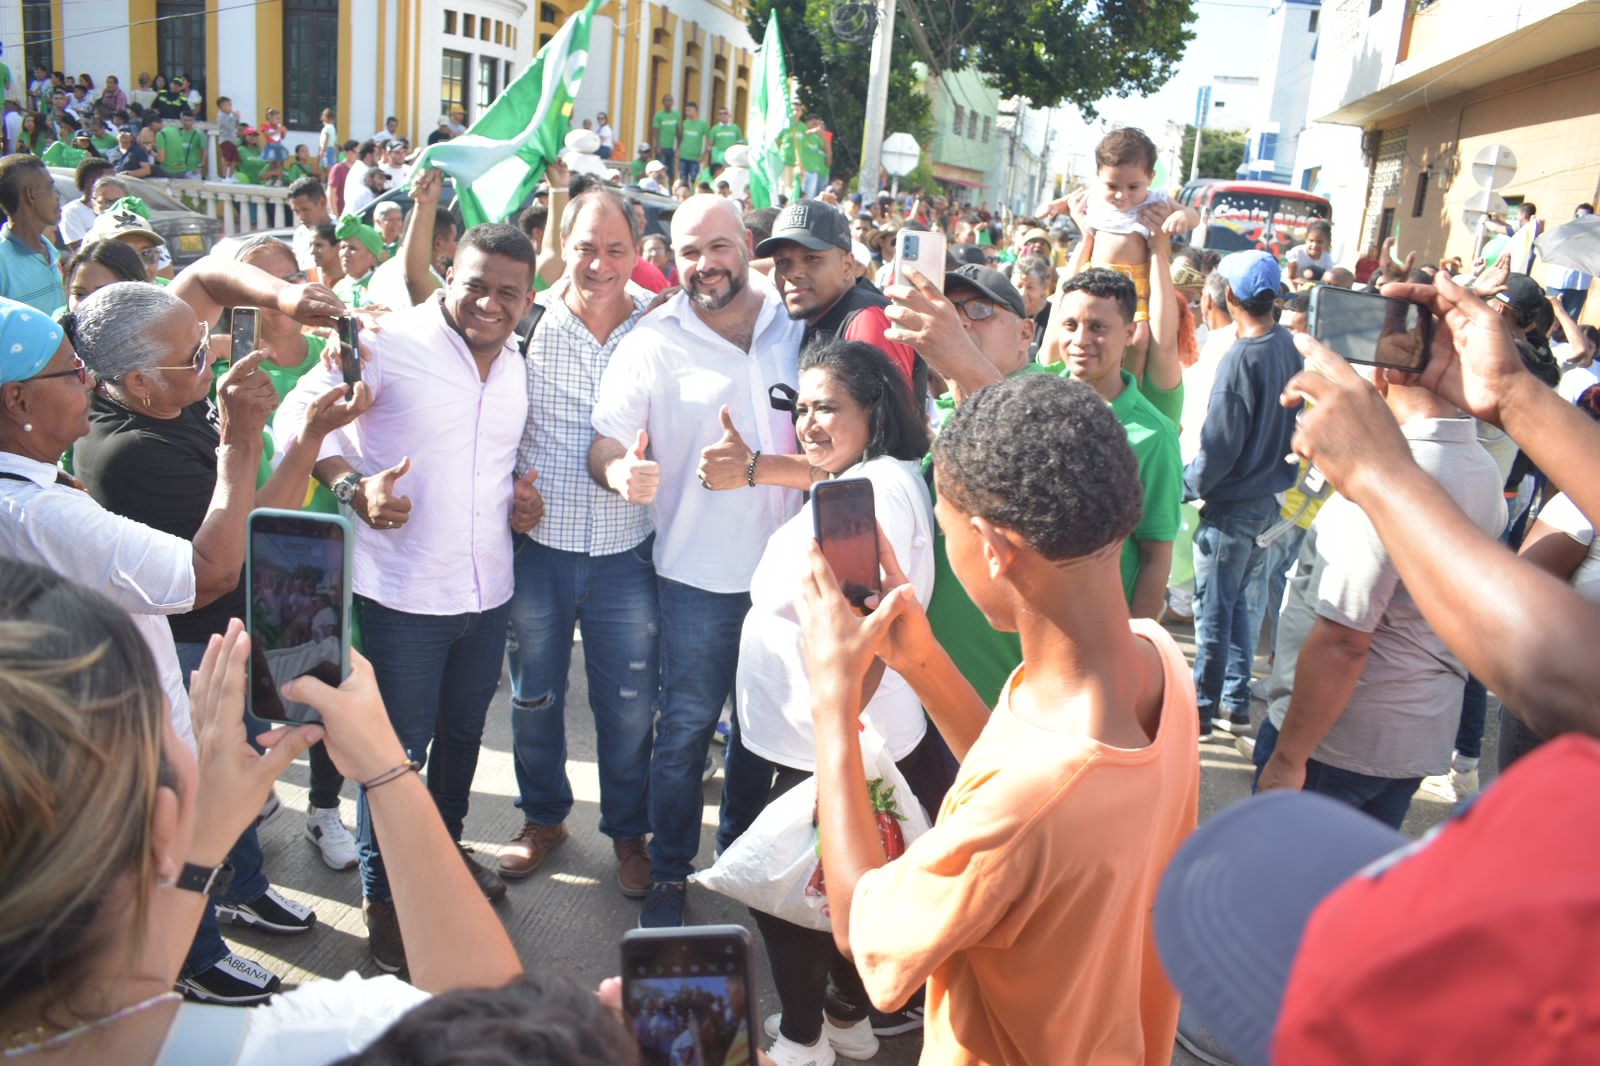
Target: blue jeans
[[669, 159], [1230, 589], [689, 170], [699, 654], [1385, 798], [613, 599], [249, 877], [437, 675]]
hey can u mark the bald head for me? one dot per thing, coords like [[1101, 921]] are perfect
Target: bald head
[[712, 249], [705, 213]]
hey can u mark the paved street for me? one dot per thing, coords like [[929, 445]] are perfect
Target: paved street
[[569, 917]]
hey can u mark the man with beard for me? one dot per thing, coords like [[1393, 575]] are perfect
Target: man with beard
[[699, 367]]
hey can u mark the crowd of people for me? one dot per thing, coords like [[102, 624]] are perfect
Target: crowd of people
[[602, 421]]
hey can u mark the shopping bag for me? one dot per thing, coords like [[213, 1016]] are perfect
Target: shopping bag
[[776, 865]]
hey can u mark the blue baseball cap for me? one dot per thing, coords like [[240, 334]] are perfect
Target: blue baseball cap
[[1251, 273], [28, 340]]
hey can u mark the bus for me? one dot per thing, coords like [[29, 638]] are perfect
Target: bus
[[1236, 216]]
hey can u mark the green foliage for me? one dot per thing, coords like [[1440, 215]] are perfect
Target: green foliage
[[1221, 154]]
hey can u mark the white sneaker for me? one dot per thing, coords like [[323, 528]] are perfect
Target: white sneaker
[[1464, 777], [333, 840], [785, 1052], [853, 1041]]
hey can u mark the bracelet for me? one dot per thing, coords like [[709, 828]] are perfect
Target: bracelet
[[407, 767], [750, 471]]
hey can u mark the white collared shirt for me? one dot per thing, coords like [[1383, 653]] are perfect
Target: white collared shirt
[[148, 573], [453, 555], [670, 377]]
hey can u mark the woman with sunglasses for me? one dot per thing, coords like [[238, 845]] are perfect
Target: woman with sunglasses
[[854, 418]]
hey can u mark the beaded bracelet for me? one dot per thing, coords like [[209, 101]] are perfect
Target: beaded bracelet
[[390, 774], [750, 471]]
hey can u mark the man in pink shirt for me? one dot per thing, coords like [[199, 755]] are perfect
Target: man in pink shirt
[[429, 472]]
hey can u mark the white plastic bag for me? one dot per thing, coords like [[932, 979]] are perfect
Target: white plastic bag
[[776, 865]]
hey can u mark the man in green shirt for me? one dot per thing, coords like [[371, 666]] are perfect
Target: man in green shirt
[[665, 127], [181, 149], [816, 155], [724, 135], [692, 145]]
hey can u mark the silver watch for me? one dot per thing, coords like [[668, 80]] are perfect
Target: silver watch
[[344, 490]]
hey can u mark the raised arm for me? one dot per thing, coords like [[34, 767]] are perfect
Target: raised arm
[[1163, 370], [416, 246], [215, 283]]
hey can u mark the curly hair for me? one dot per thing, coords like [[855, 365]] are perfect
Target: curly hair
[[1044, 458], [1106, 284], [898, 429], [1125, 146]]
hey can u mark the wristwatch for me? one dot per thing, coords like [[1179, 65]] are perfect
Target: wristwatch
[[344, 490], [206, 880]]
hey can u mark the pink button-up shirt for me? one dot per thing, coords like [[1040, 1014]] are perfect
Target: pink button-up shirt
[[453, 555]]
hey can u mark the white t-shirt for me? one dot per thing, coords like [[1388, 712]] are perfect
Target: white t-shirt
[[607, 135], [1103, 218], [1575, 381], [77, 218], [671, 377], [355, 181], [1298, 259], [1562, 514], [774, 696]]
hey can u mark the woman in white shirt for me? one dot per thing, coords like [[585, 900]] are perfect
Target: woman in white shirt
[[854, 418]]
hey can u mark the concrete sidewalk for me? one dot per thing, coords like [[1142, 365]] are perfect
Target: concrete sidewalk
[[569, 917]]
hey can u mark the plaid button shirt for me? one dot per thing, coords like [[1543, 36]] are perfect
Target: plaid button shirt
[[564, 367]]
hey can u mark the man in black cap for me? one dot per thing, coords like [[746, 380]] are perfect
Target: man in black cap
[[1524, 305], [813, 265]]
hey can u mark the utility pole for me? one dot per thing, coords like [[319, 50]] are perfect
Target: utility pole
[[877, 99], [1202, 111]]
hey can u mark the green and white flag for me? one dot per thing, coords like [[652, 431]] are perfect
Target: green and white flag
[[771, 115], [497, 163]]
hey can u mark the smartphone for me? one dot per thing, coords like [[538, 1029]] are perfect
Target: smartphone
[[922, 251], [297, 576], [689, 994], [245, 331], [349, 350], [846, 527], [1374, 330]]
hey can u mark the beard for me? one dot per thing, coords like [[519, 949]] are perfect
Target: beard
[[714, 302]]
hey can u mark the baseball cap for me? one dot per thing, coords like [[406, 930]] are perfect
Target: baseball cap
[[1523, 295], [248, 131], [654, 166], [1038, 233], [387, 207], [810, 224], [990, 283], [28, 340], [968, 254], [1346, 941], [127, 217], [1251, 273]]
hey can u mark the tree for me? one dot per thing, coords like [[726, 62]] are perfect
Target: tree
[[1221, 153], [1054, 51], [832, 67]]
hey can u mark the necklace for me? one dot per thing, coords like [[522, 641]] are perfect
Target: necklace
[[37, 1041]]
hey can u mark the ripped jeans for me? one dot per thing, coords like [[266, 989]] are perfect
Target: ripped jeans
[[612, 600]]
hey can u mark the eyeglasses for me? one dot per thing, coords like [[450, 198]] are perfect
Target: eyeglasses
[[297, 278], [197, 360], [80, 370], [151, 255], [975, 309]]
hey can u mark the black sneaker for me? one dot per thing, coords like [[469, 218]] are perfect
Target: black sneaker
[[270, 913], [233, 982], [383, 935], [663, 907], [896, 1023]]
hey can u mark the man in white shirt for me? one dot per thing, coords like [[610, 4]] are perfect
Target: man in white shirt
[[428, 471], [355, 182], [394, 161], [607, 135], [390, 131], [720, 343]]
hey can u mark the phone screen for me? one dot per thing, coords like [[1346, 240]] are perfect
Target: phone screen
[[349, 349], [922, 251], [297, 612], [1371, 329], [688, 995], [245, 331], [846, 527]]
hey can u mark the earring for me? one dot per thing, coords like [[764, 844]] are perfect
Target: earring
[[147, 401], [27, 427]]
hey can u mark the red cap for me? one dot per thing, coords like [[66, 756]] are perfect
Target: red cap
[[247, 131]]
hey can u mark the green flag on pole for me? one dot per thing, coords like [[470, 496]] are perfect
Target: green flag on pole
[[771, 115], [497, 163]]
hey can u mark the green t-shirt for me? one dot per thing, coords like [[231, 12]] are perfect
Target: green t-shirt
[[666, 126], [1168, 402], [986, 657], [283, 379], [250, 165], [724, 135], [185, 150], [693, 145], [636, 170], [813, 153]]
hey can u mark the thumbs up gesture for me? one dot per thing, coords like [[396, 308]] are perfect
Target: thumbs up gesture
[[377, 502], [725, 464], [527, 505], [632, 476]]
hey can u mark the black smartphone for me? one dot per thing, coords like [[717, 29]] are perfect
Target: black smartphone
[[297, 574], [245, 331], [349, 349], [1372, 329], [689, 994], [846, 526]]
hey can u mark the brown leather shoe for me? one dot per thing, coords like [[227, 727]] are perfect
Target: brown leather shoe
[[633, 867], [489, 883], [528, 849], [383, 935]]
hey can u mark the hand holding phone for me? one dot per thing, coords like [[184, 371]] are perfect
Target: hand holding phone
[[297, 575], [689, 994], [1372, 329], [349, 348], [846, 528], [922, 251], [244, 331]]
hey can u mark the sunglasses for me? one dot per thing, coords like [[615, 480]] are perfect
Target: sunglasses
[[197, 359], [80, 370], [975, 309]]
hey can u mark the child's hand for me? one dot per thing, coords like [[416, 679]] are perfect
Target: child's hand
[[1176, 224]]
